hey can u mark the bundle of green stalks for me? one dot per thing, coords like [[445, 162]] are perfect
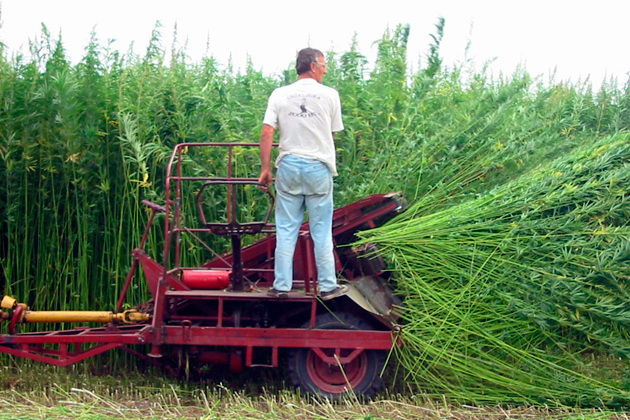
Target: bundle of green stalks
[[508, 293]]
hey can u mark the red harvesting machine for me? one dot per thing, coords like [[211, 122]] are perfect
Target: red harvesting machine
[[219, 311]]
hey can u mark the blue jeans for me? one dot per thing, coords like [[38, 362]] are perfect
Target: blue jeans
[[304, 184]]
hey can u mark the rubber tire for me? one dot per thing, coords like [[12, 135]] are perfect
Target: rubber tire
[[312, 376]]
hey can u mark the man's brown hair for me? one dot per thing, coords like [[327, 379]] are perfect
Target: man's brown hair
[[305, 58]]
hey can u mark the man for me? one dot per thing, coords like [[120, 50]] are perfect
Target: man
[[307, 114]]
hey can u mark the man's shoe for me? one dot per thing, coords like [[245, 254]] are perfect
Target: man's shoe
[[336, 292], [277, 293]]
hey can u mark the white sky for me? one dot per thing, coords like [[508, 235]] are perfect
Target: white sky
[[572, 39]]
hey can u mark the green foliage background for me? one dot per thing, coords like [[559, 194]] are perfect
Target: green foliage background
[[81, 145]]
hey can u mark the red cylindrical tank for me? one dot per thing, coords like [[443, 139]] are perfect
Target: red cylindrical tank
[[206, 279], [233, 359]]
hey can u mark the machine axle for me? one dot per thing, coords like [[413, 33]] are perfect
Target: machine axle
[[19, 313]]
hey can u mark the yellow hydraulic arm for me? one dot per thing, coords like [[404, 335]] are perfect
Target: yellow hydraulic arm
[[20, 310]]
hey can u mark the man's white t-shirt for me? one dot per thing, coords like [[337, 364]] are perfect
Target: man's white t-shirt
[[307, 113]]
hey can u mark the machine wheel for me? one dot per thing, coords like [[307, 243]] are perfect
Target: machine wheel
[[361, 376]]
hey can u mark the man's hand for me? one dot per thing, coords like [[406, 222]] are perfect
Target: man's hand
[[265, 179]]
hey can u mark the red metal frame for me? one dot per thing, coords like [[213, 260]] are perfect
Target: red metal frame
[[175, 322]]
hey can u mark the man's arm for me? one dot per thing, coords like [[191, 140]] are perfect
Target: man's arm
[[266, 142]]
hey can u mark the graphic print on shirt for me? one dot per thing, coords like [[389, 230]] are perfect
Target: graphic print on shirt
[[305, 104]]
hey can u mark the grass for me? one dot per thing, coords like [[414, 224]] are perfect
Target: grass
[[42, 392]]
